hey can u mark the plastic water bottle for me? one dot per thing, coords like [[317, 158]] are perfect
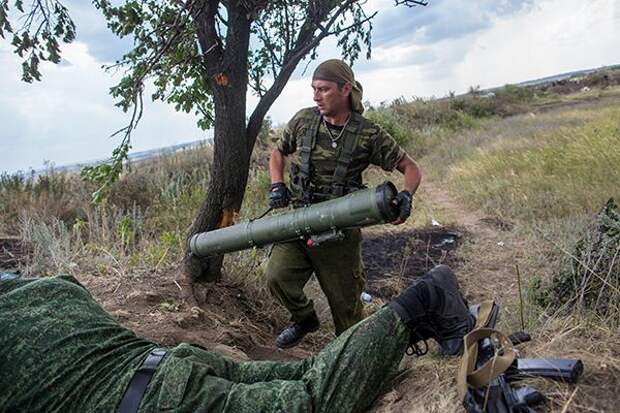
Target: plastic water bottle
[[8, 276], [366, 298]]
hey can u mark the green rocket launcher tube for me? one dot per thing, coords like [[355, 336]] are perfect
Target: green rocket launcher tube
[[314, 222]]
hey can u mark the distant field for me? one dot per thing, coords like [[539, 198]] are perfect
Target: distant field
[[535, 172]]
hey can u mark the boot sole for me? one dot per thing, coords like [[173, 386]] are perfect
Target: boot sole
[[296, 342]]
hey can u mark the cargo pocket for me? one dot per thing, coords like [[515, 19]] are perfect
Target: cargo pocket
[[175, 377]]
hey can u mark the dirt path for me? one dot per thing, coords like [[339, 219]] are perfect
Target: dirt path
[[486, 268], [485, 265]]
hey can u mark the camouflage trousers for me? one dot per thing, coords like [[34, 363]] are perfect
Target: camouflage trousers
[[61, 352], [346, 376], [338, 268]]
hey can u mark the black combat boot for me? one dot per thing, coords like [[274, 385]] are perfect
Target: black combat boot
[[434, 308], [292, 335]]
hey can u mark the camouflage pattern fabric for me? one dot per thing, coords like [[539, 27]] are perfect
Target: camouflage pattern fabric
[[338, 268], [61, 352], [374, 146], [291, 265], [336, 70]]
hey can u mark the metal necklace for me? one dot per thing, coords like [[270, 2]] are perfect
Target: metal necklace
[[331, 136]]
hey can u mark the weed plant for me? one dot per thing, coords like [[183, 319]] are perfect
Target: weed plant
[[589, 274]]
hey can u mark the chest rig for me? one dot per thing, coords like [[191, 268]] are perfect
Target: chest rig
[[301, 175]]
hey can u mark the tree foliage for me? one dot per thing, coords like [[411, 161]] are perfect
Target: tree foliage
[[184, 46], [180, 59], [42, 26], [202, 56]]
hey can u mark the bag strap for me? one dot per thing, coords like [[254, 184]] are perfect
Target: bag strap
[[469, 374]]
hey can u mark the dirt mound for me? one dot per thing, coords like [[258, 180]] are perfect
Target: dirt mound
[[229, 318], [243, 323]]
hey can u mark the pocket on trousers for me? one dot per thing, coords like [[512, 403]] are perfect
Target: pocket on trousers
[[175, 377]]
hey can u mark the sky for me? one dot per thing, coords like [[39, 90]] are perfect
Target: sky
[[449, 45]]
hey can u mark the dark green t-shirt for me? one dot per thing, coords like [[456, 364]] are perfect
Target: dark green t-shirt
[[53, 363]]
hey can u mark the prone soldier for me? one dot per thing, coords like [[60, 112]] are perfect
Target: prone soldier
[[61, 352]]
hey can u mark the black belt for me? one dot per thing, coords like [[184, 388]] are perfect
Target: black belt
[[141, 378]]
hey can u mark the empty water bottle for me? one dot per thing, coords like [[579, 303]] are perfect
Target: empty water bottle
[[366, 298], [8, 276]]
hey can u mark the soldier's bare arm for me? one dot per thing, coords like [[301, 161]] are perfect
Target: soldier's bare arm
[[276, 166], [412, 174]]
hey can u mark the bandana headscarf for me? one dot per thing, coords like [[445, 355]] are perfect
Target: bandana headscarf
[[335, 70]]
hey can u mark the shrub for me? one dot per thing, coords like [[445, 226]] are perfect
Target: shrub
[[589, 278], [392, 124]]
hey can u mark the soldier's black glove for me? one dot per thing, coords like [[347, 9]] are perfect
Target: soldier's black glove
[[403, 202], [279, 195]]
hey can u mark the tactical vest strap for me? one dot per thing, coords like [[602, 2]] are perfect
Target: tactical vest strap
[[351, 134], [308, 140]]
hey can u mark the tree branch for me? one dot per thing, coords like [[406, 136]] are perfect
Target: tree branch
[[410, 3], [204, 16], [306, 41]]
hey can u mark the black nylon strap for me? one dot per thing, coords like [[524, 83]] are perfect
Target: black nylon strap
[[141, 378], [307, 144], [351, 135]]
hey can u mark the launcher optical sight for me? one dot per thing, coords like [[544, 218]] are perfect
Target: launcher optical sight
[[315, 223]]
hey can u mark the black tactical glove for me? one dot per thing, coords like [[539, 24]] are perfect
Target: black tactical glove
[[279, 195], [403, 200]]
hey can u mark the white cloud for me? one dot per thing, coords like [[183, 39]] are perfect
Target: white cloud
[[552, 37], [555, 36], [68, 116]]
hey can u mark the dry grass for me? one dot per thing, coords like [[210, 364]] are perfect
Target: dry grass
[[546, 173], [542, 173], [153, 203]]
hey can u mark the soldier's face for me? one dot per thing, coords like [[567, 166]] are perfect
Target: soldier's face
[[329, 98]]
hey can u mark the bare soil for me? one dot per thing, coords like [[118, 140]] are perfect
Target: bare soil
[[397, 255], [232, 318], [239, 323]]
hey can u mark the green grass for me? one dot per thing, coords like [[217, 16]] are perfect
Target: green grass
[[549, 174], [554, 173]]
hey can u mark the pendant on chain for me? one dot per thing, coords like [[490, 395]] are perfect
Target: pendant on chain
[[334, 144]]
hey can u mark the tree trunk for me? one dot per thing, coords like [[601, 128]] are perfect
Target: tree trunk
[[231, 158], [229, 176]]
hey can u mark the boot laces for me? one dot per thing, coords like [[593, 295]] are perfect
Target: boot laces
[[414, 346]]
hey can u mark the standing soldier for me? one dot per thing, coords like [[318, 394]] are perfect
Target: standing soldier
[[335, 144]]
